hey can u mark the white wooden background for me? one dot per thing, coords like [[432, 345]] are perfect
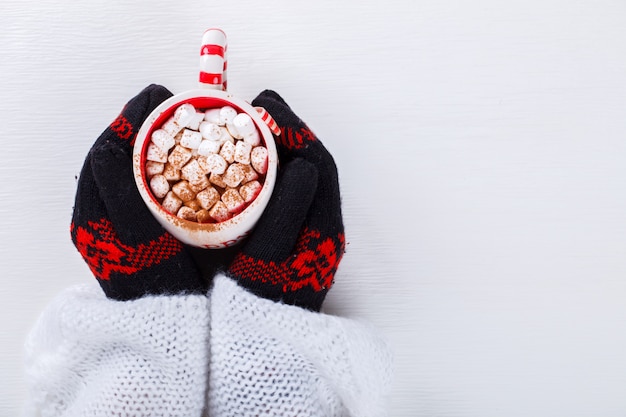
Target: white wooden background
[[481, 148]]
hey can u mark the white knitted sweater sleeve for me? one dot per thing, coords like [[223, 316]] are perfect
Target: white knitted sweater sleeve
[[158, 356], [270, 359], [92, 356]]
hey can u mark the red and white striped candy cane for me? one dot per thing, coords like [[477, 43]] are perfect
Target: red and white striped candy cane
[[213, 59], [269, 120]]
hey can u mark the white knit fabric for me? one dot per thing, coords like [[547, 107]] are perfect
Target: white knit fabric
[[228, 354], [91, 356], [271, 359]]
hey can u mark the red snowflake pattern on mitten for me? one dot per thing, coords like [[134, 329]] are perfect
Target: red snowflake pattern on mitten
[[106, 254]]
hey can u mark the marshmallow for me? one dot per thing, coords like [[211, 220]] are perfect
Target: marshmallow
[[190, 139], [228, 152], [233, 175], [208, 197], [217, 179], [242, 152], [213, 163], [203, 216], [187, 213], [208, 147], [219, 212], [192, 172], [227, 114], [244, 124], [195, 121], [200, 185], [232, 129], [258, 159], [250, 190], [172, 127], [153, 168], [171, 203], [159, 186], [184, 114], [212, 116], [156, 154], [210, 131], [179, 156], [249, 174], [171, 173], [226, 136], [183, 191], [192, 204], [204, 165], [233, 201], [253, 138], [163, 140]]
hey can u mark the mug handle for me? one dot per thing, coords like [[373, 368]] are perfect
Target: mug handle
[[213, 60]]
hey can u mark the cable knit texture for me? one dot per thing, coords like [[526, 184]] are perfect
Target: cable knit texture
[[93, 356], [272, 359]]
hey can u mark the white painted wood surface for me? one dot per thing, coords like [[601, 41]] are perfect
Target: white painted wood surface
[[481, 148]]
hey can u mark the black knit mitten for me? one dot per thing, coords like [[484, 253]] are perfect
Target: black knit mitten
[[294, 251], [127, 250]]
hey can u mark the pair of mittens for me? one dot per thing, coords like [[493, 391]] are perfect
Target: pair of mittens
[[291, 256]]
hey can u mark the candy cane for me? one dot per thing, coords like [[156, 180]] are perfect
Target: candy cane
[[213, 60], [269, 120]]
